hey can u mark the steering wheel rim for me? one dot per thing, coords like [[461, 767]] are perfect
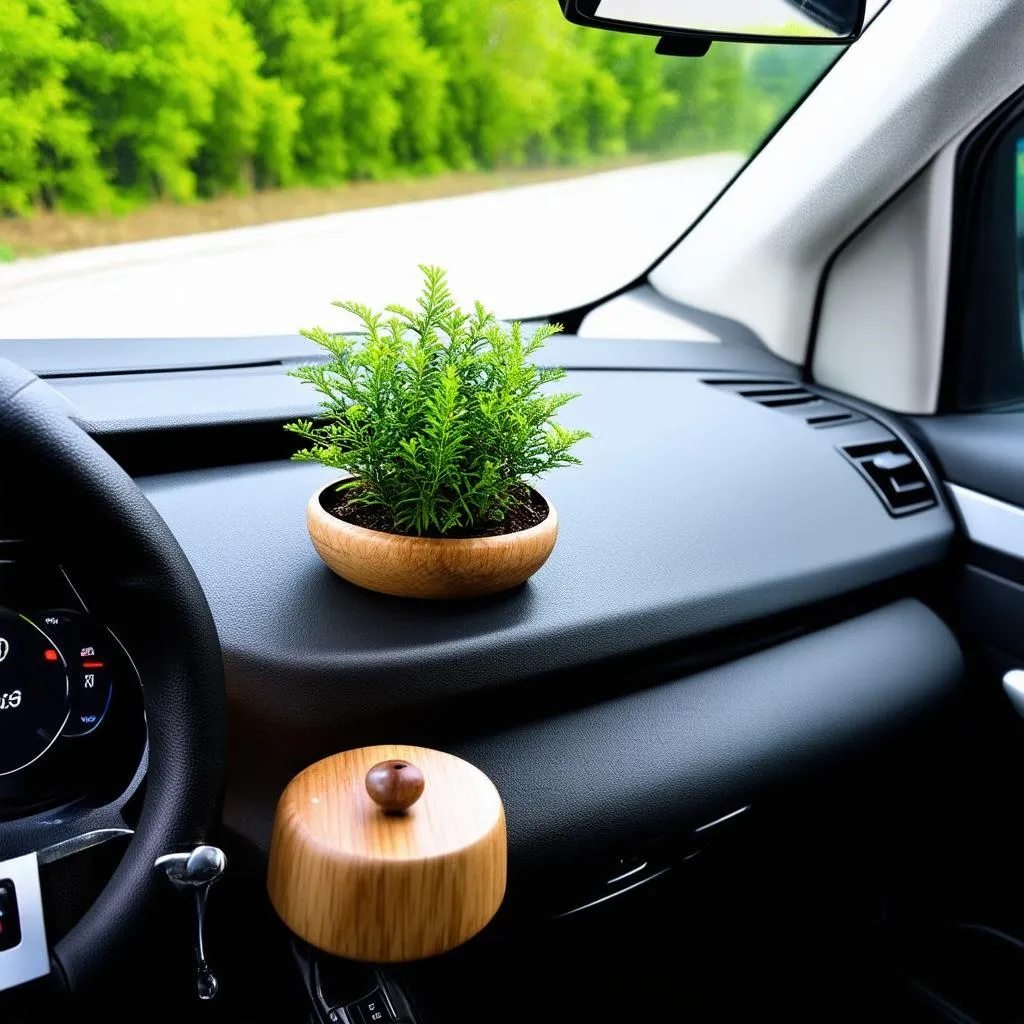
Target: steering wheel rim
[[150, 591]]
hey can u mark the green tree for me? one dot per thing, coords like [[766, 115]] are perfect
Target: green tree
[[301, 52], [176, 102], [47, 153], [643, 79], [523, 85], [372, 93], [710, 101], [777, 78], [109, 103]]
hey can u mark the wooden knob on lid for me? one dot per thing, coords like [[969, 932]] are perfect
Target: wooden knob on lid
[[394, 785], [388, 853]]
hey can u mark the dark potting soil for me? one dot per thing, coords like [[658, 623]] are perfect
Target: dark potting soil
[[531, 510]]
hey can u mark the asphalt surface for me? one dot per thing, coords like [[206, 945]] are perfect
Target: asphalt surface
[[523, 251]]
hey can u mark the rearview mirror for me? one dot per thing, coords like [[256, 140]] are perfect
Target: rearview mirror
[[788, 21]]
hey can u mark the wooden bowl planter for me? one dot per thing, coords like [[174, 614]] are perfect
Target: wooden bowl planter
[[429, 567]]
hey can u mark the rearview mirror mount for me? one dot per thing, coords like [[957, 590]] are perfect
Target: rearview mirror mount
[[687, 27]]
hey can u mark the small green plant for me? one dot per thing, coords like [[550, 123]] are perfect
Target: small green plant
[[436, 413]]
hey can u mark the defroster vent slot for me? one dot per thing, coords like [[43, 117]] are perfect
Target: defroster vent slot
[[791, 398]]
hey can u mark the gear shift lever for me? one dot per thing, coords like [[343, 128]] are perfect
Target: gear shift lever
[[195, 872]]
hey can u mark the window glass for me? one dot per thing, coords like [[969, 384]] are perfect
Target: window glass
[[542, 164]]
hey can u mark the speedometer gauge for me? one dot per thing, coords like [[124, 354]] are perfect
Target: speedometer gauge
[[34, 700]]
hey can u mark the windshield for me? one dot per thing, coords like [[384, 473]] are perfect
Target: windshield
[[227, 168]]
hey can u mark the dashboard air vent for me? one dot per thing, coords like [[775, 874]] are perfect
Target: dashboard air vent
[[896, 476], [792, 398]]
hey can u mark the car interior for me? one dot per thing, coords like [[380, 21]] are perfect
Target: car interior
[[756, 725]]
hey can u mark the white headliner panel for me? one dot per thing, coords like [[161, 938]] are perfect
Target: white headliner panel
[[883, 313], [634, 315], [921, 73]]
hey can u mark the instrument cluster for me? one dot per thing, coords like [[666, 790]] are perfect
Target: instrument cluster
[[72, 725]]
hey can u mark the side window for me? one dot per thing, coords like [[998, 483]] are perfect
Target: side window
[[985, 324]]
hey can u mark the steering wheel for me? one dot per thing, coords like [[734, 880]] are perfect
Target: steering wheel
[[87, 511]]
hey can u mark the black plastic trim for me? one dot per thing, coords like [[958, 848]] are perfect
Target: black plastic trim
[[885, 485], [979, 451], [701, 531], [610, 776], [584, 14], [171, 450], [796, 399], [151, 422], [991, 608]]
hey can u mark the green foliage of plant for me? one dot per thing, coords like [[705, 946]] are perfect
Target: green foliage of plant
[[437, 413]]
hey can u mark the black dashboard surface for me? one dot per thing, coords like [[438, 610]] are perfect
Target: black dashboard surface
[[652, 642], [624, 771], [126, 386], [695, 510]]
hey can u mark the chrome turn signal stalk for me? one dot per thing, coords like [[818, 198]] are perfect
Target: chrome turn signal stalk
[[196, 872]]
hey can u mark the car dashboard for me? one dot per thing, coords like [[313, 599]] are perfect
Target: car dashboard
[[745, 597]]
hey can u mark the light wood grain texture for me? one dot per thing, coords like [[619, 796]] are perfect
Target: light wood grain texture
[[429, 567], [357, 882]]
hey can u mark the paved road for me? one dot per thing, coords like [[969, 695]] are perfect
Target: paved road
[[523, 251]]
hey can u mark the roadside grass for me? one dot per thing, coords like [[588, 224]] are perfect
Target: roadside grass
[[49, 232]]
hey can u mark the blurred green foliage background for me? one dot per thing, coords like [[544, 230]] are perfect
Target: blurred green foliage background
[[107, 104]]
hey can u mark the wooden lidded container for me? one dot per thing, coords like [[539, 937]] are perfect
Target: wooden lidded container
[[362, 866]]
